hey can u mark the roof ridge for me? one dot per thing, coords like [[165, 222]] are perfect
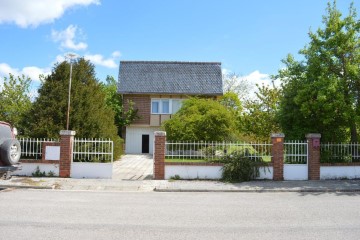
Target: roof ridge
[[169, 62]]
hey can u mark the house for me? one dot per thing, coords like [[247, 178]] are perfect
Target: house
[[157, 89]]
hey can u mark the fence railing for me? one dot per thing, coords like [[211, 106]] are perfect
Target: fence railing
[[31, 148], [212, 151], [340, 152], [295, 152], [93, 150]]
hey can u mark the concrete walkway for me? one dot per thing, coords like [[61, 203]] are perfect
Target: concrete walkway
[[133, 167], [327, 186]]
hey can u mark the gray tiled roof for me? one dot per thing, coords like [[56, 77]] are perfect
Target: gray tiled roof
[[191, 78]]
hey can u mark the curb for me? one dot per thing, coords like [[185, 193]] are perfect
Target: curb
[[261, 190], [25, 187]]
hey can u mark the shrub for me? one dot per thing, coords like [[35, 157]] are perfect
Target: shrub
[[238, 167]]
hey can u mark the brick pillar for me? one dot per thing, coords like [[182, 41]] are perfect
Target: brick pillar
[[277, 156], [159, 155], [66, 152], [313, 156]]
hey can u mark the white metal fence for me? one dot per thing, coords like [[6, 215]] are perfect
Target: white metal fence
[[31, 148], [93, 150], [213, 151], [296, 152], [340, 152]]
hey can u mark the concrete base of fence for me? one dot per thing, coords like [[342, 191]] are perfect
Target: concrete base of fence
[[29, 168], [339, 172], [266, 173], [91, 170], [209, 172], [295, 172], [193, 172]]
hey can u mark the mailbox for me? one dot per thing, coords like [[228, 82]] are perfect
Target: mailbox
[[316, 143]]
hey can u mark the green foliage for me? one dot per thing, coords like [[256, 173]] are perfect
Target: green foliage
[[15, 101], [260, 120], [321, 94], [231, 101], [114, 101], [90, 117], [238, 167], [200, 120]]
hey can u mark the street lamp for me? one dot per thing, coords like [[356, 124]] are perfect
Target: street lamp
[[70, 56]]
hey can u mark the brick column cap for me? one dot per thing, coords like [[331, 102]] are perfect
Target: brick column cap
[[313, 135], [67, 133], [160, 133], [277, 135]]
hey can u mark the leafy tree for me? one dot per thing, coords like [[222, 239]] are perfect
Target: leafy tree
[[259, 119], [14, 100], [231, 101], [236, 84], [200, 120], [322, 92], [114, 101], [90, 117]]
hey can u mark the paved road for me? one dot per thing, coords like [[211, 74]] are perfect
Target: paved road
[[49, 214]]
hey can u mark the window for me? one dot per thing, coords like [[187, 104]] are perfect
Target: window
[[176, 105], [165, 106], [155, 106]]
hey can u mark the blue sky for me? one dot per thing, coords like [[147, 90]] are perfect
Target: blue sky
[[249, 37]]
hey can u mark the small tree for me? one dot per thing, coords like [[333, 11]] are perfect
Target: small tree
[[114, 101], [259, 119], [200, 120], [15, 101]]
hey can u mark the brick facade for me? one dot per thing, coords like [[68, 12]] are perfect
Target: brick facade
[[66, 152], [143, 104], [314, 156], [277, 156], [159, 155]]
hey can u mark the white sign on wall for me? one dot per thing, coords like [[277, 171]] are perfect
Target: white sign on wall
[[52, 153]]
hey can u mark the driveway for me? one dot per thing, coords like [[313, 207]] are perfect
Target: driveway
[[133, 167]]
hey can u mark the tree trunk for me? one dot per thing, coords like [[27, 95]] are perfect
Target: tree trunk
[[353, 131]]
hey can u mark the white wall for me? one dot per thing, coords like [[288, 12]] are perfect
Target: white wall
[[29, 168], [206, 172], [193, 172], [134, 139], [339, 172], [295, 172], [266, 173], [91, 170]]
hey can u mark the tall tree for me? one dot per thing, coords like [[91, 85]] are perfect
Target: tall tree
[[15, 101], [90, 117], [322, 93]]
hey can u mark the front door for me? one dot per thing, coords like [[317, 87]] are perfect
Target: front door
[[145, 144]]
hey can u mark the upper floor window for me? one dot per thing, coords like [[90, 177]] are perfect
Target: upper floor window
[[165, 106]]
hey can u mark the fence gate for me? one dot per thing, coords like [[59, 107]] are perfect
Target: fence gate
[[295, 160]]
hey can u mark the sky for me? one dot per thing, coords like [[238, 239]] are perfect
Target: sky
[[249, 37]]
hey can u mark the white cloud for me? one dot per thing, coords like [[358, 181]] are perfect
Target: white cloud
[[32, 72], [35, 12], [116, 54], [98, 59], [258, 78], [67, 38]]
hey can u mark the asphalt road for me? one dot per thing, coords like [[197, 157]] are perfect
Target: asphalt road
[[49, 214]]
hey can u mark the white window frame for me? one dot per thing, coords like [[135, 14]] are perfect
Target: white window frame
[[160, 101]]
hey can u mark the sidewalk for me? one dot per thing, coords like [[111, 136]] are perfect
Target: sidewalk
[[180, 185]]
